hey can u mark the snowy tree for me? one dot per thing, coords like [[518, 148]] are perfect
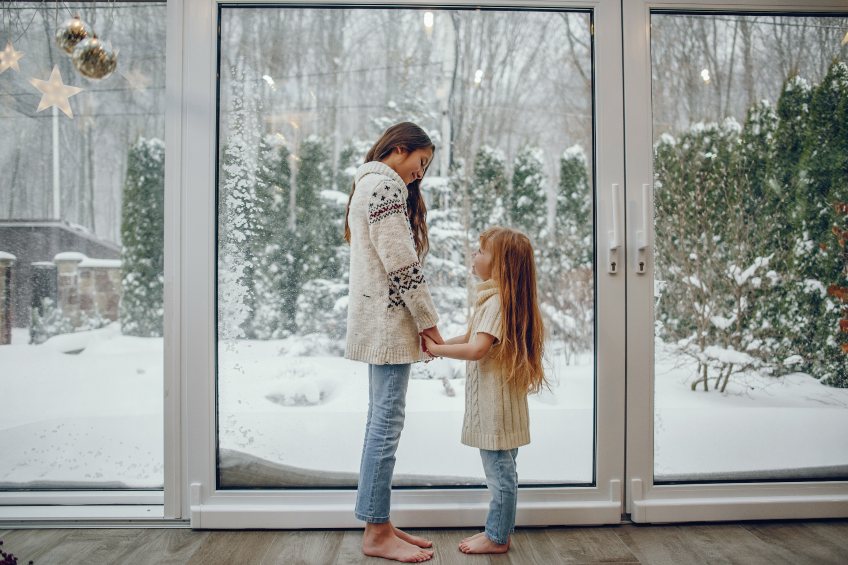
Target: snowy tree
[[527, 201], [318, 220], [573, 214], [712, 274], [142, 234], [272, 255], [322, 308], [566, 281], [48, 321], [447, 266], [827, 181], [488, 190]]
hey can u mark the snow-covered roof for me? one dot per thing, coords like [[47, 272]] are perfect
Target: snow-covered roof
[[70, 256], [101, 263], [7, 256]]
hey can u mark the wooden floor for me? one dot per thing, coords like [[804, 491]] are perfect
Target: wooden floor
[[773, 543]]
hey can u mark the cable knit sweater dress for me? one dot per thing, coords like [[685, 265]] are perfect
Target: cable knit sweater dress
[[389, 301], [496, 417]]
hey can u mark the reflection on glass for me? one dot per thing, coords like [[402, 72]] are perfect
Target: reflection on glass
[[751, 195], [303, 94], [81, 261]]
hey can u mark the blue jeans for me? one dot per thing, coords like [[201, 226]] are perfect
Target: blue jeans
[[502, 480], [386, 409]]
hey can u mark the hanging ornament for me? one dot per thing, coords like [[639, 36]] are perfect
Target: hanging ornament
[[94, 59], [71, 33], [9, 58], [55, 92]]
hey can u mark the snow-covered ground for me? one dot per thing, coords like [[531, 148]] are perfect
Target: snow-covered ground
[[95, 417]]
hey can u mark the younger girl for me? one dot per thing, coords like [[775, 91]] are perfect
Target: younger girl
[[503, 350]]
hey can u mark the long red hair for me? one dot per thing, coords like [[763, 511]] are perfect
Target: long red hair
[[519, 352], [409, 137]]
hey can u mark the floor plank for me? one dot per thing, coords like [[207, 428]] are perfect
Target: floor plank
[[350, 550], [228, 547], [530, 545], [589, 545], [110, 546], [698, 544], [45, 547], [307, 547], [810, 542], [751, 543]]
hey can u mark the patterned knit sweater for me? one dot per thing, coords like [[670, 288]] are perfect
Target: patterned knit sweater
[[389, 301], [496, 417]]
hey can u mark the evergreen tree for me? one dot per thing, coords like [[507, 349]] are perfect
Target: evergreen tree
[[318, 219], [564, 256], [488, 189], [527, 201], [827, 185], [273, 253], [142, 237], [572, 227]]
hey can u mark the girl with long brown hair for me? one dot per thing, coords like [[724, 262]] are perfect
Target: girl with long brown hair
[[503, 349], [389, 305]]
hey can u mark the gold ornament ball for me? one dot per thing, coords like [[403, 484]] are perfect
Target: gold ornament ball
[[70, 34], [94, 59]]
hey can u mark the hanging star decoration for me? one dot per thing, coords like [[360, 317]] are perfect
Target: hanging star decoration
[[55, 92], [9, 58]]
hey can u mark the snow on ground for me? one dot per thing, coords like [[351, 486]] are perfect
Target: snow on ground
[[95, 417], [760, 423]]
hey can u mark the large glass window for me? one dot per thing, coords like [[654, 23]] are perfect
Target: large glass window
[[507, 98], [81, 259], [751, 204]]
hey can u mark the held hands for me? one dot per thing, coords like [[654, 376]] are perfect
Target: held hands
[[427, 345], [430, 337]]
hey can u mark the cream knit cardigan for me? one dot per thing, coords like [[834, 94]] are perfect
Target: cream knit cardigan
[[389, 301], [496, 417]]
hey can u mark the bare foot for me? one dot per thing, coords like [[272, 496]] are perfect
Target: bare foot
[[477, 535], [381, 541], [481, 544], [414, 540]]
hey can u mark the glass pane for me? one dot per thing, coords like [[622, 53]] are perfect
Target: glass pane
[[81, 248], [751, 195], [303, 95]]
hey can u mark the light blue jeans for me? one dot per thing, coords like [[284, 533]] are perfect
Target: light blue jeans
[[502, 480], [386, 409]]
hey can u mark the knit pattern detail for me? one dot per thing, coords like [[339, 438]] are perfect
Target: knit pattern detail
[[402, 281], [385, 201]]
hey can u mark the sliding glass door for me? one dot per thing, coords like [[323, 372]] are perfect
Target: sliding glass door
[[302, 93], [742, 286]]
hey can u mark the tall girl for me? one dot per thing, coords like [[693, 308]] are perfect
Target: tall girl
[[389, 305], [503, 350]]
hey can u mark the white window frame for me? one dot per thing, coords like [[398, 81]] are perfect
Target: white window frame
[[212, 508], [646, 501]]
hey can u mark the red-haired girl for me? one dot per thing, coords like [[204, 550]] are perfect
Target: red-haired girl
[[503, 350]]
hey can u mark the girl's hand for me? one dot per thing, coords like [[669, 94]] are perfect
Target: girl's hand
[[433, 334], [429, 344]]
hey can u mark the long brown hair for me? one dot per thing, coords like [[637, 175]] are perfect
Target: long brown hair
[[409, 137], [519, 352]]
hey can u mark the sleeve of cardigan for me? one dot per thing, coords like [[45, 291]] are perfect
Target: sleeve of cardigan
[[490, 320], [389, 230]]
